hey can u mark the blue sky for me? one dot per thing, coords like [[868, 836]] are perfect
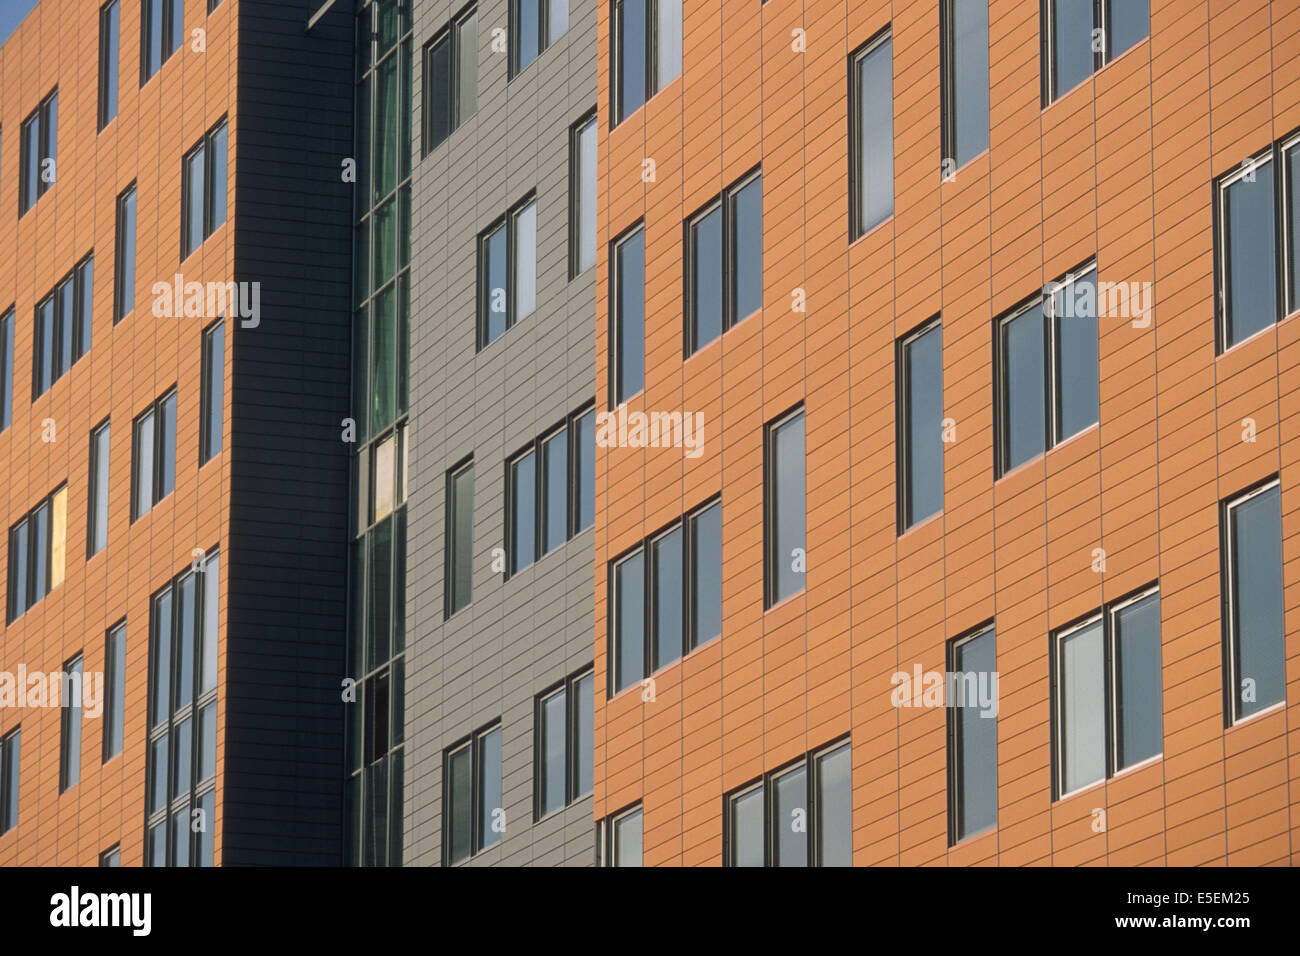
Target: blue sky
[[12, 13]]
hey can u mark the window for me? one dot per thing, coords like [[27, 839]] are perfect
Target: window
[[1047, 371], [534, 25], [619, 839], [647, 38], [1255, 285], [161, 25], [669, 603], [794, 816], [382, 476], [213, 396], [627, 333], [38, 172], [787, 506], [153, 455], [472, 813], [111, 857], [124, 273], [114, 690], [920, 425], [871, 136], [1254, 642], [973, 736], [70, 724], [450, 79], [108, 46], [1106, 693], [1082, 36], [964, 29], [63, 327], [582, 196], [182, 752], [97, 529], [37, 553], [10, 748], [507, 270], [459, 588], [565, 742], [6, 369], [204, 173], [550, 490], [724, 272]]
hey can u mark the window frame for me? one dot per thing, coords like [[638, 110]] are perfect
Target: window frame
[[858, 228], [576, 210], [80, 323], [725, 203], [212, 376], [1105, 615], [954, 744], [771, 580], [510, 223], [93, 502], [114, 723], [948, 85], [569, 688], [451, 33], [474, 744], [1100, 58], [544, 15], [616, 343], [45, 549], [110, 37], [451, 540], [1230, 639], [123, 285], [207, 148], [10, 777], [903, 419], [645, 549], [7, 319], [155, 409], [607, 835], [168, 30], [47, 138], [71, 727], [808, 763]]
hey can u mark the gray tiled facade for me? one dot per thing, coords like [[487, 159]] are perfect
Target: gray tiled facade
[[524, 635]]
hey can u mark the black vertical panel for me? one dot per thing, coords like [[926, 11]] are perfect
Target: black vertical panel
[[287, 549]]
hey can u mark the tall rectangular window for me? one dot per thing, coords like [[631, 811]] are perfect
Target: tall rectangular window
[[582, 197], [6, 369], [204, 188], [153, 457], [63, 327], [920, 425], [10, 749], [161, 27], [973, 736], [450, 79], [507, 270], [620, 838], [964, 59], [583, 447], [786, 505], [37, 553], [97, 525], [1079, 37], [38, 156], [1254, 630], [472, 815], [647, 51], [553, 492], [550, 490], [627, 335], [871, 136], [1047, 370], [213, 396], [523, 518], [109, 20], [124, 271], [534, 25], [460, 538], [70, 724], [1247, 263], [667, 596], [115, 690], [564, 744], [724, 271], [1106, 693], [799, 816], [182, 753]]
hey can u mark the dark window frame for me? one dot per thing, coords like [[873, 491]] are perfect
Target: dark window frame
[[206, 146], [953, 743], [616, 343], [448, 34], [71, 736], [451, 542], [649, 628], [857, 228], [575, 193], [510, 222], [1101, 58], [81, 324], [157, 493], [93, 503], [1105, 615], [110, 36], [903, 422], [544, 14], [210, 444], [10, 777], [114, 694], [163, 728], [607, 831], [474, 743], [568, 687], [806, 762], [121, 287], [654, 83], [725, 202], [168, 32], [7, 319], [770, 490], [46, 149], [30, 597], [949, 101], [1052, 435]]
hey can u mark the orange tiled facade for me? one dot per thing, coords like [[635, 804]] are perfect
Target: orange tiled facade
[[1119, 169]]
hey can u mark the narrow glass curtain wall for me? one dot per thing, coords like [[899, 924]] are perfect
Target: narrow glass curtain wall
[[381, 282]]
